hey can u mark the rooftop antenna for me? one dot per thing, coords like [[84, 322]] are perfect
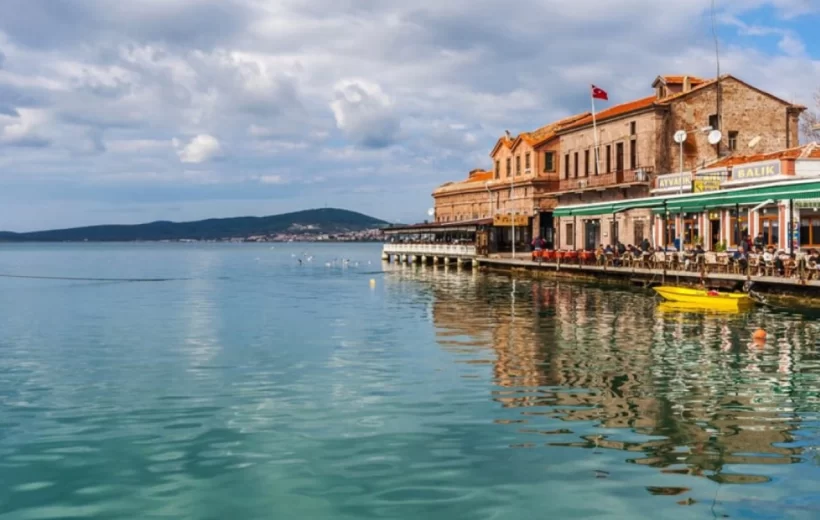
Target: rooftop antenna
[[508, 133], [717, 63]]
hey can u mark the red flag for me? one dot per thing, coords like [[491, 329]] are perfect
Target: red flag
[[599, 93]]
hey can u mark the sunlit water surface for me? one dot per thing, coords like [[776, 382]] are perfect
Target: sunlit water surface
[[250, 386]]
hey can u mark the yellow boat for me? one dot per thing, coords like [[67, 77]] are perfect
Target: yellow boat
[[700, 298], [696, 308]]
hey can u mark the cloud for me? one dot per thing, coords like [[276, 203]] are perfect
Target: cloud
[[336, 93], [365, 113], [202, 148]]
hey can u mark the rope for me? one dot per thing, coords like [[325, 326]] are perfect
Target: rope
[[80, 279]]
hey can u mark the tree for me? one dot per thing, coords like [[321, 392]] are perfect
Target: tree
[[810, 121]]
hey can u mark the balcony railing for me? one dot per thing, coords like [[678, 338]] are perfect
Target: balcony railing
[[430, 249], [639, 175]]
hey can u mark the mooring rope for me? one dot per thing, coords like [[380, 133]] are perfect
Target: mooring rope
[[81, 279]]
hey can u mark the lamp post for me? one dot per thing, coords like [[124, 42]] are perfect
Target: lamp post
[[512, 211], [680, 138]]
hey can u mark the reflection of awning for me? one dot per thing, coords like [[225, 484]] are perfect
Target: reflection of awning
[[438, 227]]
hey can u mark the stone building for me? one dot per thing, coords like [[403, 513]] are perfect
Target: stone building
[[636, 147], [550, 181]]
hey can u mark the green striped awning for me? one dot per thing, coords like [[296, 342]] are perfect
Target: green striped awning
[[799, 191]]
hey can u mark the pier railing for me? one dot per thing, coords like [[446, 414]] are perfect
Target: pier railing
[[430, 249]]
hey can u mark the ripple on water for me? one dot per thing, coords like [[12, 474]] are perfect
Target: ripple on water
[[261, 389]]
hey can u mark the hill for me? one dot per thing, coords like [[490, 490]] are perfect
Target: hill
[[307, 222]]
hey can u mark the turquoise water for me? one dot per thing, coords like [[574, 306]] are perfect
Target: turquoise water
[[248, 386]]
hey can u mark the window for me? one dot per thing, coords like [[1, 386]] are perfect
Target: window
[[637, 230], [810, 231], [570, 235], [691, 230], [633, 128], [509, 170], [549, 161], [527, 161], [743, 224], [518, 165], [586, 163], [619, 157], [497, 169], [732, 140], [566, 166], [770, 227], [576, 165], [633, 154], [713, 121], [671, 232], [609, 158]]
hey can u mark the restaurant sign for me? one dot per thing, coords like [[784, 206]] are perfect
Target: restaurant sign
[[758, 170], [709, 180], [674, 181], [507, 220]]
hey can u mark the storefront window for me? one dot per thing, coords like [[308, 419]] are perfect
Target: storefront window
[[770, 227], [637, 228], [810, 231], [691, 231]]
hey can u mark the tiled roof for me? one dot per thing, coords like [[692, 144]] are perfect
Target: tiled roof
[[808, 151], [474, 177], [617, 110], [678, 80]]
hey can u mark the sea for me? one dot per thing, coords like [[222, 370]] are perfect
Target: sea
[[312, 381]]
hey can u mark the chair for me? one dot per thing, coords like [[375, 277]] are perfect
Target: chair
[[754, 265], [710, 262]]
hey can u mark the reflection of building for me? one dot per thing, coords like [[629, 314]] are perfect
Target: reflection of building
[[570, 353]]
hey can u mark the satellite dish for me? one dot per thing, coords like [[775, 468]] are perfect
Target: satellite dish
[[754, 142], [680, 136], [715, 136], [431, 212]]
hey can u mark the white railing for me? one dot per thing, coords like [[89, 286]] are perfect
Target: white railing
[[430, 249]]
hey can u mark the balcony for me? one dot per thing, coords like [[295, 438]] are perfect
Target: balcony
[[607, 180]]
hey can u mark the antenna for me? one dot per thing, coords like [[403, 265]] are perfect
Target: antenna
[[680, 136], [715, 136], [717, 64]]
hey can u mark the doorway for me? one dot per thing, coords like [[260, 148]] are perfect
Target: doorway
[[592, 234], [714, 233]]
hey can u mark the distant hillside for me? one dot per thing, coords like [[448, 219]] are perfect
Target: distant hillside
[[313, 221]]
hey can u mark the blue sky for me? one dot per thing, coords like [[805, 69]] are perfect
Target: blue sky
[[126, 112]]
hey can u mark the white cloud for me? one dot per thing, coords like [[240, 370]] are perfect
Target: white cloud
[[202, 148], [364, 113], [272, 179]]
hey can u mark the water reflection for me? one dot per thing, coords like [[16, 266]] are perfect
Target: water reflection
[[606, 369]]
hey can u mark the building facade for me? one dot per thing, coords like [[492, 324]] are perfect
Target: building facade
[[636, 147], [549, 181]]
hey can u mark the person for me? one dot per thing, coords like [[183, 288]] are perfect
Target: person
[[759, 241], [620, 248], [741, 258], [645, 245]]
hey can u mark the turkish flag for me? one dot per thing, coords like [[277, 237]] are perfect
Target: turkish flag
[[599, 93]]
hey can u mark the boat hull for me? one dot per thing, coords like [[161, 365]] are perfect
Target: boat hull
[[705, 299]]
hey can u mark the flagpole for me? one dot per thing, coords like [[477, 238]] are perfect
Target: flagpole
[[595, 132]]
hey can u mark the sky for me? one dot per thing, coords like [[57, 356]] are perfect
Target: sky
[[128, 112]]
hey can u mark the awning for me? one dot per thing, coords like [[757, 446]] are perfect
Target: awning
[[696, 202], [438, 227]]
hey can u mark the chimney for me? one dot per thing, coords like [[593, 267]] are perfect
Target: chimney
[[687, 84]]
